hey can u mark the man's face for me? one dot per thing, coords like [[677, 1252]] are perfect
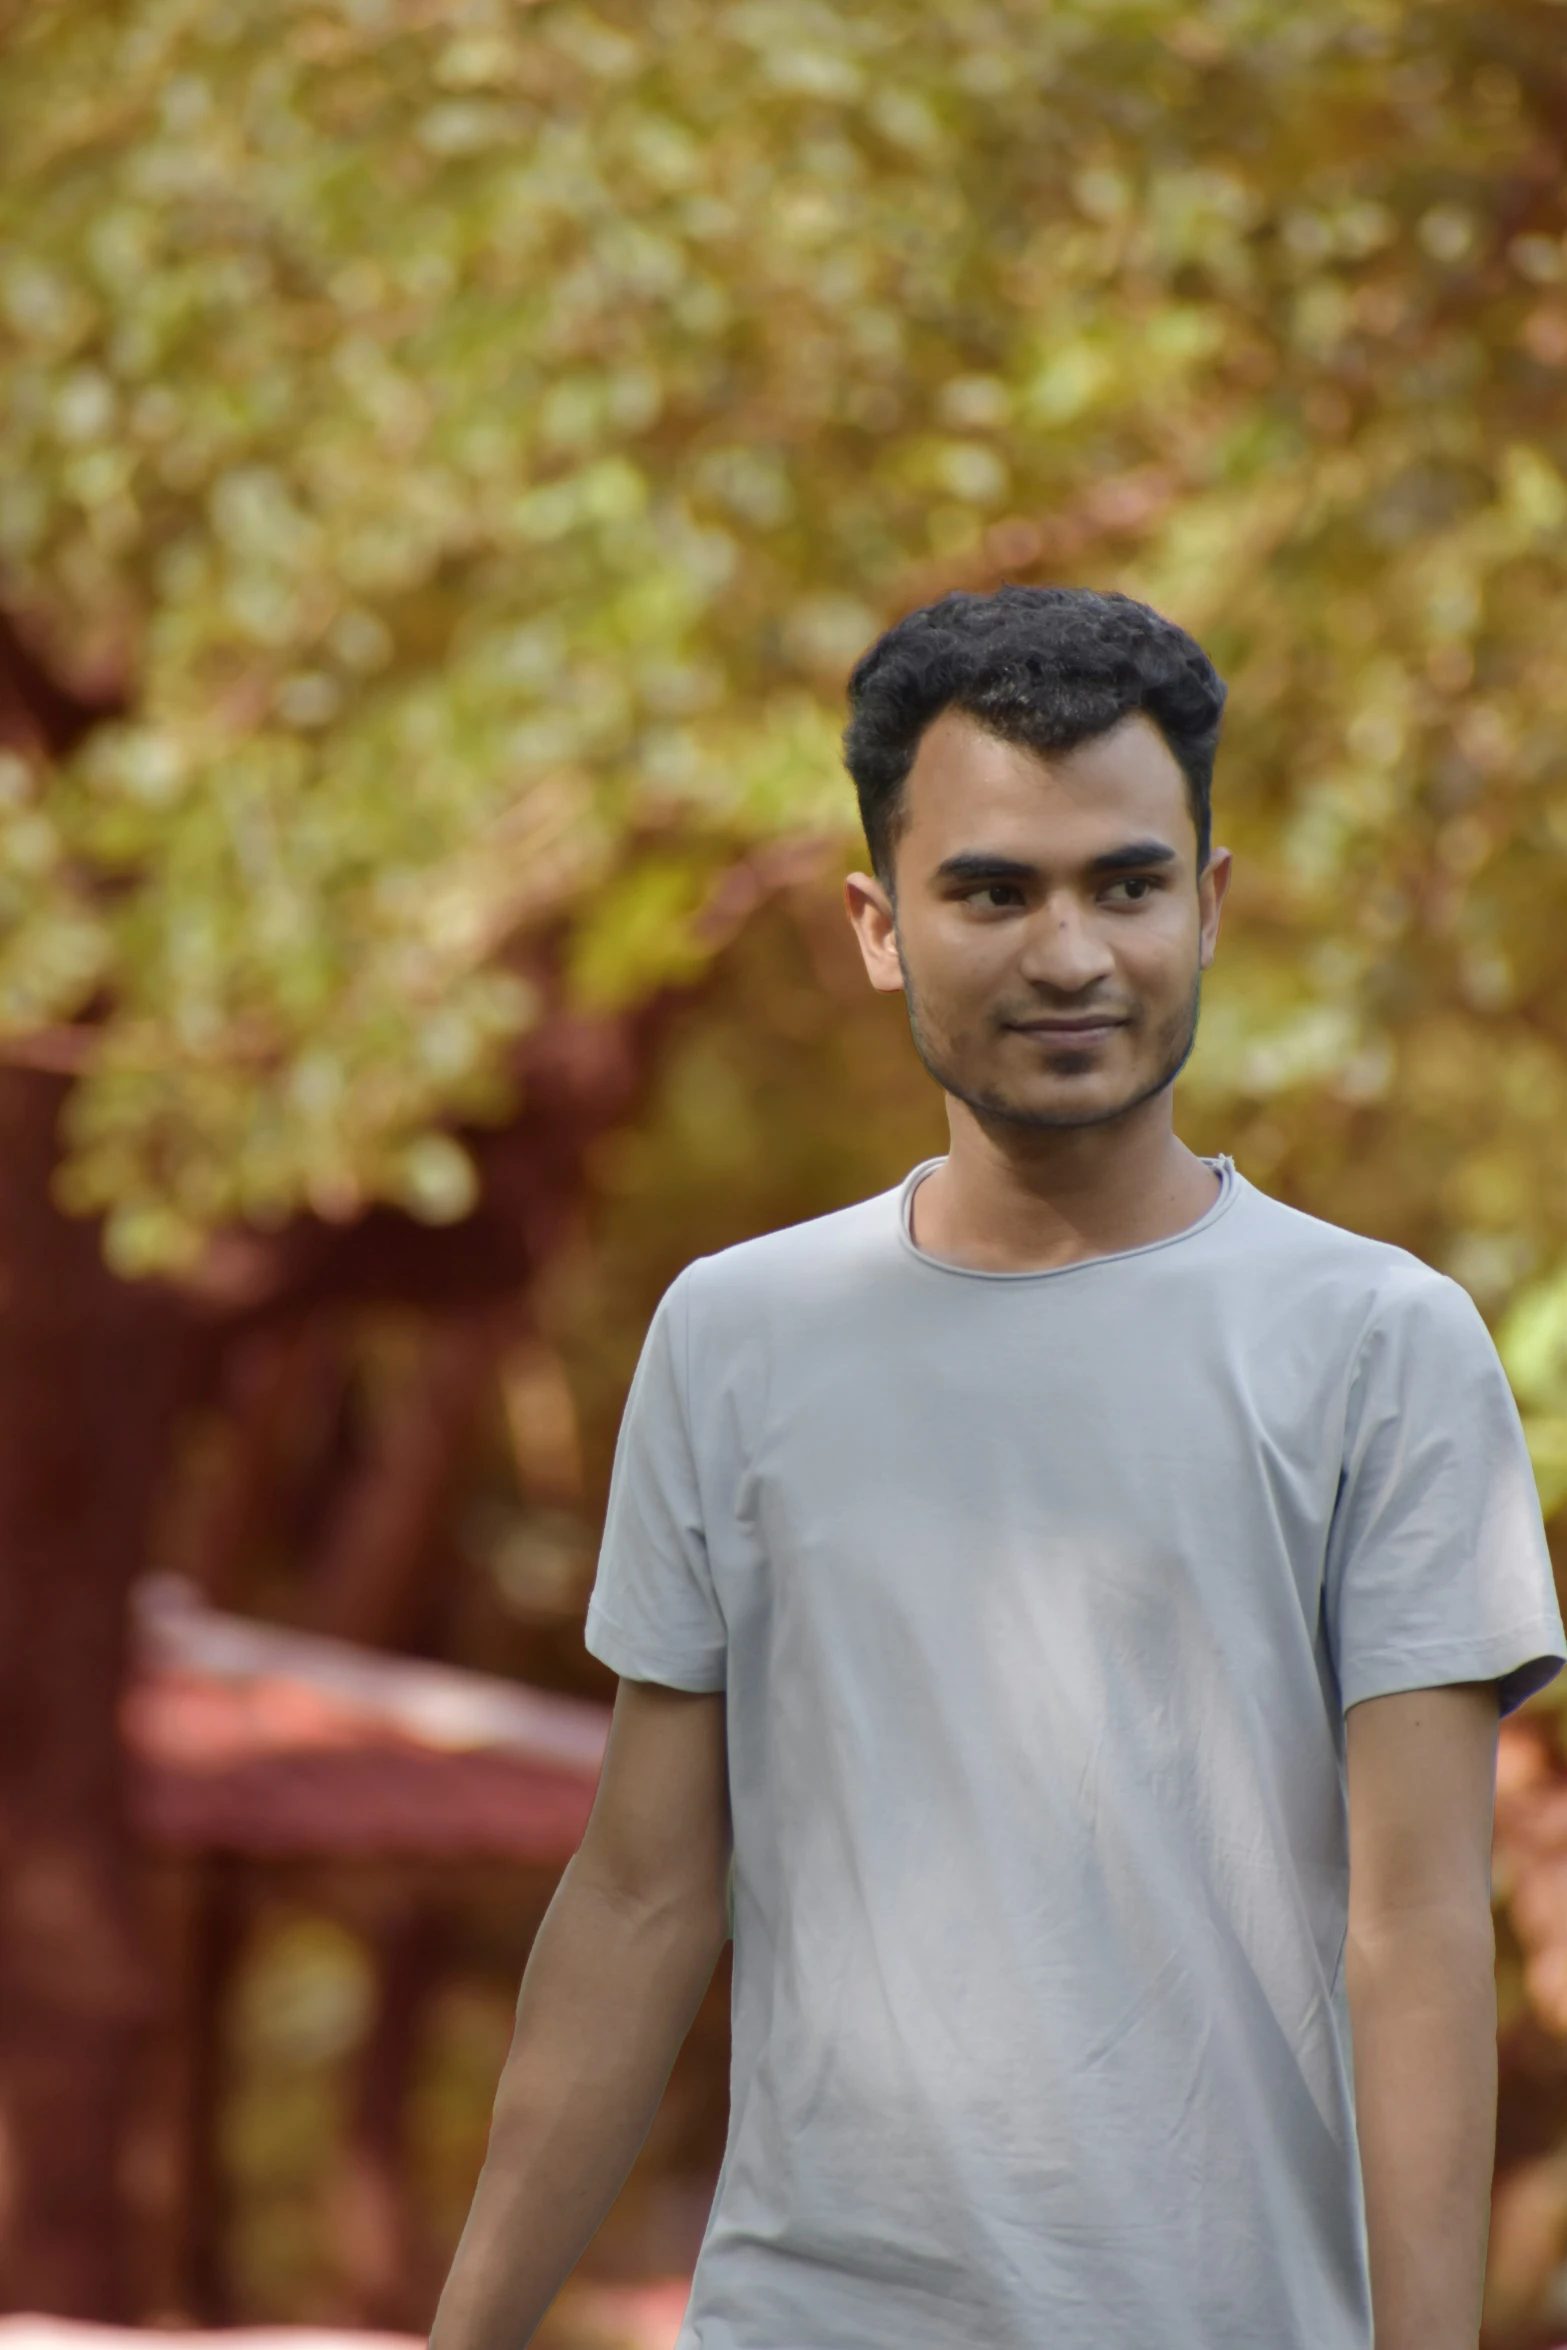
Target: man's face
[[1050, 925]]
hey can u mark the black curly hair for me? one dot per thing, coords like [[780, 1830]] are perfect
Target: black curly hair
[[1047, 667]]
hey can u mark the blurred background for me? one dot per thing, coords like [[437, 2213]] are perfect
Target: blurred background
[[451, 452]]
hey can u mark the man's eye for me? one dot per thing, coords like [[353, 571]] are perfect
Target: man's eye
[[1134, 888]]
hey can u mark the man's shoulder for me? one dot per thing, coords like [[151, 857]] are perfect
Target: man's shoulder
[[797, 1262], [828, 1244], [1294, 1249]]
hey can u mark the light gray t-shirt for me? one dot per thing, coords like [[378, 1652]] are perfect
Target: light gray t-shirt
[[1039, 1599]]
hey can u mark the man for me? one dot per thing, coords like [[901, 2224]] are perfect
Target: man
[[1090, 1588]]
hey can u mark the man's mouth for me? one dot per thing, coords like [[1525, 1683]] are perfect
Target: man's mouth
[[1091, 1030]]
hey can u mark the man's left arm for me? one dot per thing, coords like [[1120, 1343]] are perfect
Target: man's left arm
[[1419, 1966]]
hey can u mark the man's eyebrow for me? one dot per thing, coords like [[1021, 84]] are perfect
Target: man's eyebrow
[[1135, 857], [978, 865], [982, 865]]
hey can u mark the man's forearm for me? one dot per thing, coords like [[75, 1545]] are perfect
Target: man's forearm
[[1423, 2007], [608, 1996]]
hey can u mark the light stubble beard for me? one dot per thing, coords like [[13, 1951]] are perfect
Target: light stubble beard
[[995, 1109]]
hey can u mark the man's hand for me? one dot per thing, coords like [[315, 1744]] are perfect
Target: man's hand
[[1419, 1968], [619, 1966]]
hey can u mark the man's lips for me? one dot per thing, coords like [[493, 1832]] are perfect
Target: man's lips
[[1068, 1031]]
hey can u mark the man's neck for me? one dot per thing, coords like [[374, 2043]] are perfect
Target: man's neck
[[1018, 1200]]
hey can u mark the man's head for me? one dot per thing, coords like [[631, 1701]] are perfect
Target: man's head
[[1033, 769]]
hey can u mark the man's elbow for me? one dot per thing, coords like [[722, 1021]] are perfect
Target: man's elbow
[[688, 1906]]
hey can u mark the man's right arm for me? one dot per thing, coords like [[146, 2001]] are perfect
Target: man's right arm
[[618, 1968]]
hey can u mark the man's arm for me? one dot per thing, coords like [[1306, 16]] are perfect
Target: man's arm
[[620, 1963], [1419, 1968]]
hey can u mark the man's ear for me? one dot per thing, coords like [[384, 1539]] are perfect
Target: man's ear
[[1212, 888], [870, 911]]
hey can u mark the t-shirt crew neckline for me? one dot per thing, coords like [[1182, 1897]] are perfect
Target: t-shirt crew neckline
[[1229, 1188]]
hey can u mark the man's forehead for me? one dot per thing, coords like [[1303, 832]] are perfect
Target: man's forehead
[[963, 772]]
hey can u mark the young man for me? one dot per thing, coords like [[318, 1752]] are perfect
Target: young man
[[1089, 1588]]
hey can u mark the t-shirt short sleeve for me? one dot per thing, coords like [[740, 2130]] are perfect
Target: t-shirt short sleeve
[[1438, 1570], [654, 1615]]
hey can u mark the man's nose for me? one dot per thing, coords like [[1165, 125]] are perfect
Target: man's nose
[[1064, 950]]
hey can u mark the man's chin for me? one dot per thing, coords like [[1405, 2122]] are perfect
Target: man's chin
[[1064, 1103], [1063, 1108]]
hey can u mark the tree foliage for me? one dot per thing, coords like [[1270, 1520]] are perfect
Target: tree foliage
[[473, 439]]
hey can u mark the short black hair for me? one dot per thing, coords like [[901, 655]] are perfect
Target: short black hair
[[1047, 667]]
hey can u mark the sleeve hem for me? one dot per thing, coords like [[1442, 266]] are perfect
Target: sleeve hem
[[1520, 1661], [701, 1672]]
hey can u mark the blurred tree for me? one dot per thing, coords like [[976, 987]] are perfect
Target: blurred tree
[[74, 1988], [454, 453]]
